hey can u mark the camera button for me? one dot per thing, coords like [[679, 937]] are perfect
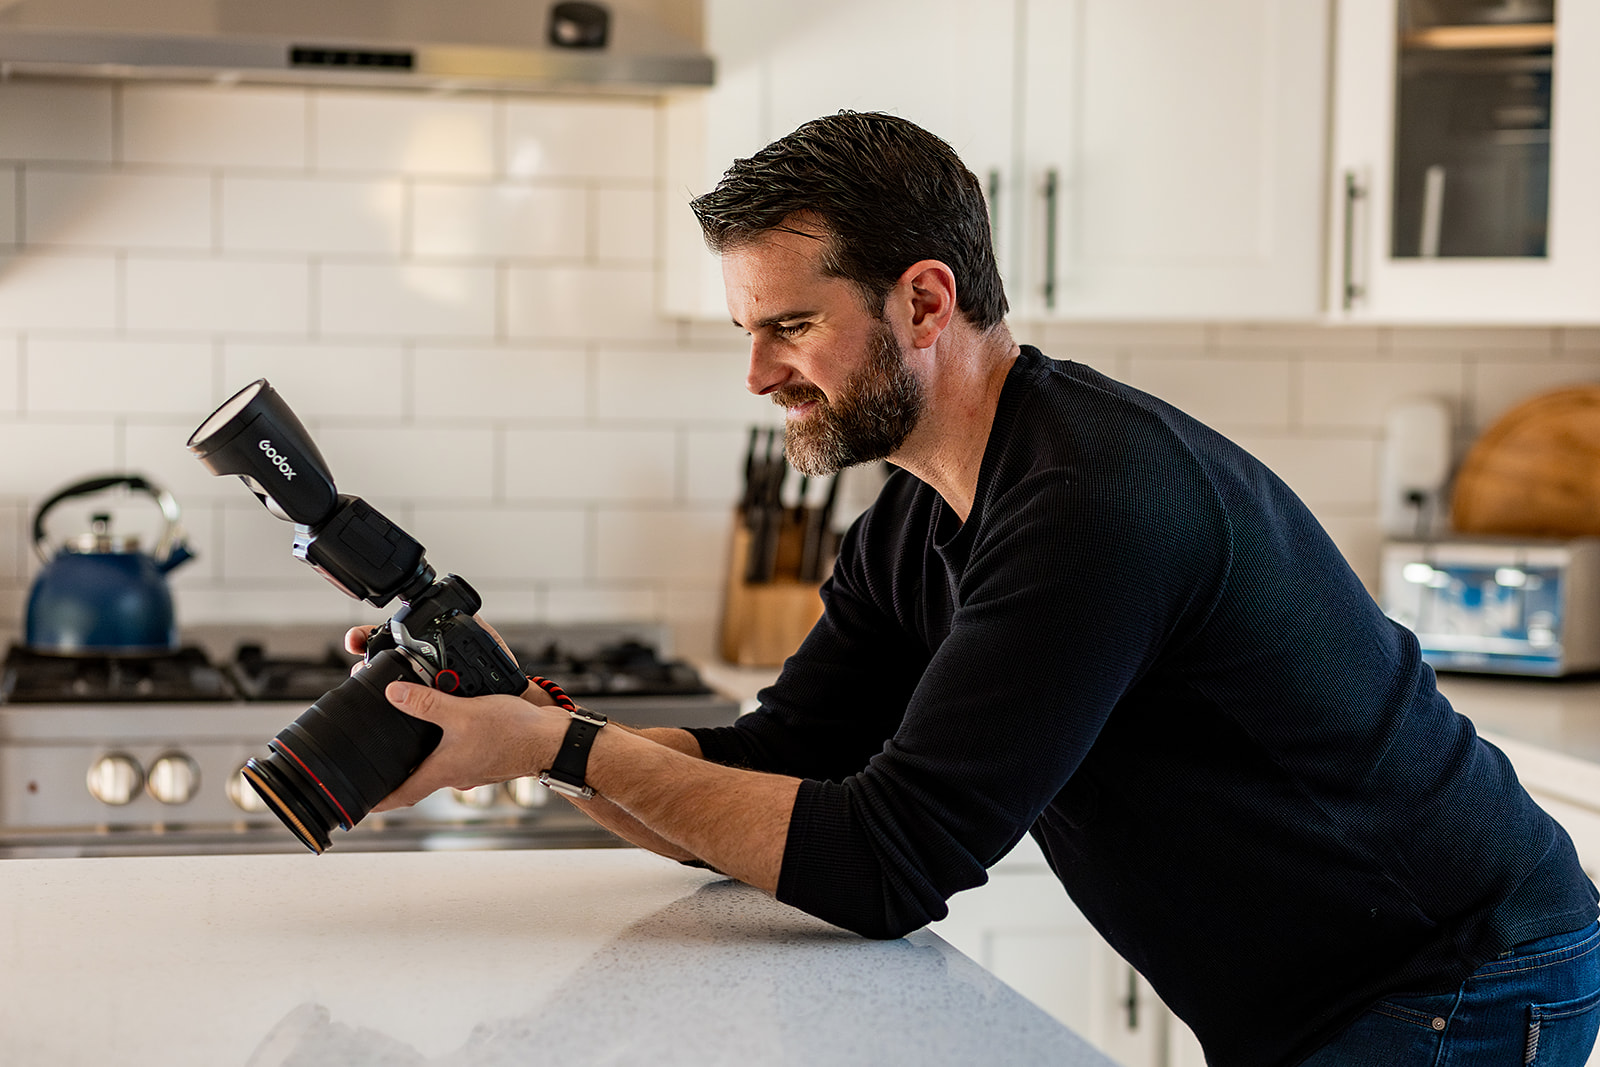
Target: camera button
[[447, 681]]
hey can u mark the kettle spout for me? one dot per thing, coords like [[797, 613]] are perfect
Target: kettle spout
[[179, 555]]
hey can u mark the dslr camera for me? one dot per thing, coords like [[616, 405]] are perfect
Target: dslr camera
[[351, 748]]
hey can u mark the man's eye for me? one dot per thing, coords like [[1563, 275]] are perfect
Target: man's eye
[[793, 329]]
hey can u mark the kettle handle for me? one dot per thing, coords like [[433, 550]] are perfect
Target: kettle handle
[[171, 538]]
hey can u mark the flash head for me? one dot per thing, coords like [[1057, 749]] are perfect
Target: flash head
[[256, 436]]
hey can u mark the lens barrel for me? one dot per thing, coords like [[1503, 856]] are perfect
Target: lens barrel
[[346, 753]]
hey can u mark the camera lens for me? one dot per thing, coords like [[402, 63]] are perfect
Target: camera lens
[[347, 752]]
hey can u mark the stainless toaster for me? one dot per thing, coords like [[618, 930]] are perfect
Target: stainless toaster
[[1497, 606]]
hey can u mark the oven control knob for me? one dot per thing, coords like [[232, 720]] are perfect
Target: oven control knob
[[174, 778], [528, 792], [482, 796], [243, 794], [115, 779]]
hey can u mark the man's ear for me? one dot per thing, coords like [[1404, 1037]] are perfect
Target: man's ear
[[927, 292]]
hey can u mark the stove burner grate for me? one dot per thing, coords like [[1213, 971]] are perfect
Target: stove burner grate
[[33, 677]]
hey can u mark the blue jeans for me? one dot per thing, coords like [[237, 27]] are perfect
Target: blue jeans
[[1537, 1004]]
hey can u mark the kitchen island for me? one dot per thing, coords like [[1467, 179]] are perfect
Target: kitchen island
[[473, 958]]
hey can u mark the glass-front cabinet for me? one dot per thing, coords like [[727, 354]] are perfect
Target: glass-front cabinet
[[1466, 178]]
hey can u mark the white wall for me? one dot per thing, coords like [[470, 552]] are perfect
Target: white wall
[[457, 293]]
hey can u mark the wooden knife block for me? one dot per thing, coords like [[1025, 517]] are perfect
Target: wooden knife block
[[763, 622]]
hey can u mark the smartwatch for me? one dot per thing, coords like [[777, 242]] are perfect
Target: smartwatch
[[566, 773]]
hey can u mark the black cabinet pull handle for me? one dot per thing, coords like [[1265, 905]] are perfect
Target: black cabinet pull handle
[[1353, 193], [1052, 199]]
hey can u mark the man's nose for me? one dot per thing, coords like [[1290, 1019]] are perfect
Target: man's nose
[[766, 372]]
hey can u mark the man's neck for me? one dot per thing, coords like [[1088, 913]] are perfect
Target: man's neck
[[963, 374]]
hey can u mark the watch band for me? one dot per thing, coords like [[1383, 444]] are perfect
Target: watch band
[[567, 771]]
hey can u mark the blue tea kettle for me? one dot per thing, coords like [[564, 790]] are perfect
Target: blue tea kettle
[[98, 594]]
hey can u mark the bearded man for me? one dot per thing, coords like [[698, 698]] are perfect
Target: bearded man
[[1078, 613]]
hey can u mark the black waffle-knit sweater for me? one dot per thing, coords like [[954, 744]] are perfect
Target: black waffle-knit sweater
[[1143, 648]]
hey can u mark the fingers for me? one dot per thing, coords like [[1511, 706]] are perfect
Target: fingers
[[355, 638], [492, 632], [485, 739]]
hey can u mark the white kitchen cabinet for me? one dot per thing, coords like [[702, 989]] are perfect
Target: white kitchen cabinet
[[1144, 159], [1024, 929], [1170, 158], [1466, 155], [780, 64]]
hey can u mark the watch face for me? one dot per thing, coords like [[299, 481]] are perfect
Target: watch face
[[563, 787]]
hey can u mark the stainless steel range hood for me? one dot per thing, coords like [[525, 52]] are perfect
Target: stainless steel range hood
[[515, 45]]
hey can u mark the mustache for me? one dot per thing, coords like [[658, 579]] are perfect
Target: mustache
[[792, 395]]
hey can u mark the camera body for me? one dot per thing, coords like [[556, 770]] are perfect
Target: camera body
[[448, 647], [351, 748]]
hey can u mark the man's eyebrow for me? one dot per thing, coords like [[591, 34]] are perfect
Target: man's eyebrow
[[773, 320]]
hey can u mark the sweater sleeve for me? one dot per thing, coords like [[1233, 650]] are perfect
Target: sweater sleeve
[[1072, 588], [844, 692]]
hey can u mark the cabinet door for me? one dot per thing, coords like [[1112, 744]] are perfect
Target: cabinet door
[[949, 69], [1466, 155], [1172, 158], [1025, 930]]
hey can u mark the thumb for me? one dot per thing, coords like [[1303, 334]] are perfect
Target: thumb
[[421, 701]]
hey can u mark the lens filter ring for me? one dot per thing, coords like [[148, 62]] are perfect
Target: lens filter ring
[[260, 777]]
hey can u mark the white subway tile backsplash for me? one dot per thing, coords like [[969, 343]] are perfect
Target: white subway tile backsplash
[[411, 462], [625, 224], [1498, 387], [15, 541], [1310, 339], [563, 303], [672, 385], [587, 603], [459, 296], [101, 209], [1359, 393], [266, 604], [684, 545], [1578, 342], [504, 544], [8, 206], [324, 216], [1220, 392], [214, 126], [515, 221], [406, 300], [216, 295], [54, 454], [553, 138], [51, 291], [715, 465], [322, 381], [159, 451], [118, 377], [404, 133], [1475, 339], [500, 383], [57, 122], [600, 463], [255, 547], [1326, 473], [10, 367]]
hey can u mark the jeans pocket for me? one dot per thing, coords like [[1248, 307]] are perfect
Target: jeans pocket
[[1562, 1034]]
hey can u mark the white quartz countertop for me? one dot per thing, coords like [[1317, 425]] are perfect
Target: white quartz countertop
[[450, 959]]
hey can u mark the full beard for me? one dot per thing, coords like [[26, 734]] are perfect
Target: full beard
[[876, 411]]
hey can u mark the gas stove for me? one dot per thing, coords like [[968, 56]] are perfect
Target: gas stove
[[140, 755]]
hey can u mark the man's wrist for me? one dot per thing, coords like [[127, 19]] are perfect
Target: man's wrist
[[568, 771]]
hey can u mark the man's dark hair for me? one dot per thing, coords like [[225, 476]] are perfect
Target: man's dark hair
[[887, 192]]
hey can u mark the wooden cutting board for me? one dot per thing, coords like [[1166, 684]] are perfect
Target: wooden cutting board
[[1535, 472]]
